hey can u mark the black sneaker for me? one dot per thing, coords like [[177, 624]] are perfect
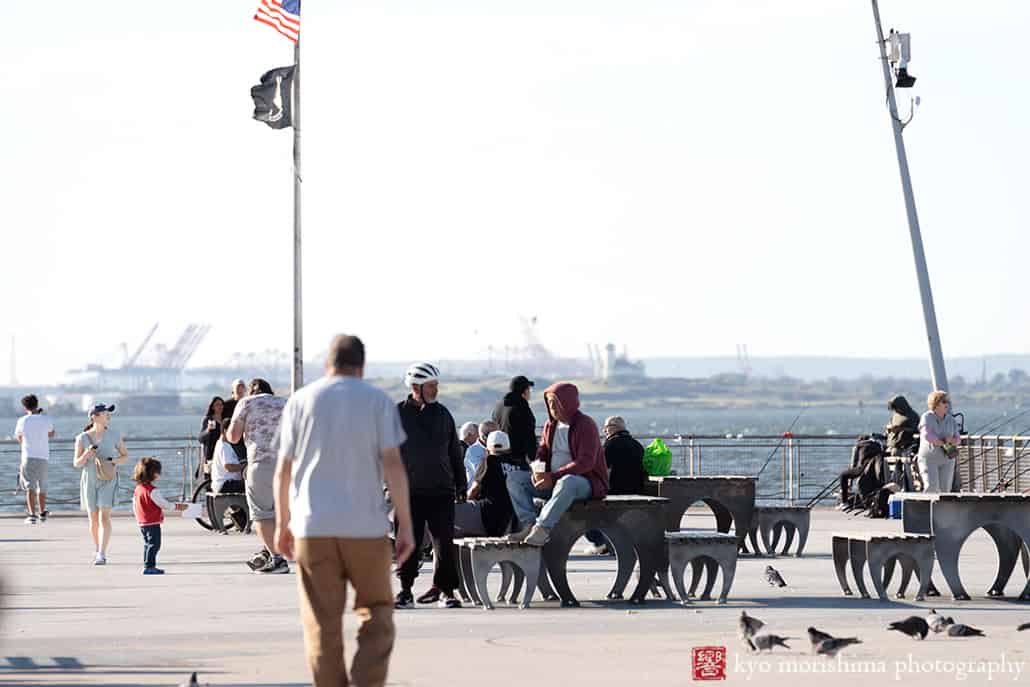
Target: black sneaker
[[276, 565], [44, 515], [448, 601], [404, 600], [259, 560], [430, 597]]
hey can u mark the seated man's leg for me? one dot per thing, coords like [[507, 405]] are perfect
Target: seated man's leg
[[567, 490], [522, 493]]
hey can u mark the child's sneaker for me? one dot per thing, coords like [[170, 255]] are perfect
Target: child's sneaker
[[100, 559], [30, 520], [153, 571], [44, 515]]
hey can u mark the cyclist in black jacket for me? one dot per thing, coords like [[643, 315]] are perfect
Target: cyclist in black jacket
[[515, 418], [436, 477]]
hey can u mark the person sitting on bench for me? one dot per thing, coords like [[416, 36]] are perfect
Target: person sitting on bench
[[226, 468], [569, 467], [488, 511]]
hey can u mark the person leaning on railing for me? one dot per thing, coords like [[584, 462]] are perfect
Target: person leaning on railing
[[938, 446]]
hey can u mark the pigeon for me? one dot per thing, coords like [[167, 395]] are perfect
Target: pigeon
[[937, 622], [816, 638], [830, 647], [914, 626], [773, 577], [768, 642], [192, 682], [1024, 626], [961, 630], [748, 627]]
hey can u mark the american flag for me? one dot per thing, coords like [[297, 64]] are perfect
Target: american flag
[[281, 15]]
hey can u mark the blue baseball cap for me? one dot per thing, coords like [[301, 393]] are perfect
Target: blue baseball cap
[[101, 408]]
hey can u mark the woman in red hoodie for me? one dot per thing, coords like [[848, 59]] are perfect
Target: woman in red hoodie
[[569, 467], [149, 506]]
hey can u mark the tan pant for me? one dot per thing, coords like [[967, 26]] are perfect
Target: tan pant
[[324, 567]]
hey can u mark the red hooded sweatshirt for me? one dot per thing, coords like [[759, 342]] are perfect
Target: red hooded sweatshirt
[[584, 441]]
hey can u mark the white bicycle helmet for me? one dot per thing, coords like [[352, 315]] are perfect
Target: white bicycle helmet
[[421, 373]]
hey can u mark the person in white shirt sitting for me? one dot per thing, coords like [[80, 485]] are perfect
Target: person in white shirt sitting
[[226, 468]]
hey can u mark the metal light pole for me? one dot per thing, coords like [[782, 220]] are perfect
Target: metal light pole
[[938, 376], [297, 368]]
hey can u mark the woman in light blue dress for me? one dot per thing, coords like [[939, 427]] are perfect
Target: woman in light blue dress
[[97, 496]]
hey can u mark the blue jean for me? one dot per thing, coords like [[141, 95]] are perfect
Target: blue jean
[[567, 490], [151, 545]]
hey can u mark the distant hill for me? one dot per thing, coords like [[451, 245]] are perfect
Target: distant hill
[[815, 368]]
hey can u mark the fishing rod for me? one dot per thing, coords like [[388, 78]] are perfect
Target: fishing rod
[[993, 425], [818, 497], [780, 443]]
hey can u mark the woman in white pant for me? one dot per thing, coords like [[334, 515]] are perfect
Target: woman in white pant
[[938, 431]]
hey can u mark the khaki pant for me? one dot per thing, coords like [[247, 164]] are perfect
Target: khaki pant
[[324, 567]]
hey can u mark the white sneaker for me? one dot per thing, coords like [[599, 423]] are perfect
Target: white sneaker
[[100, 559], [538, 536], [31, 520], [598, 550], [521, 535]]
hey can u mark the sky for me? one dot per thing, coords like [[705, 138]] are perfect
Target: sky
[[673, 176]]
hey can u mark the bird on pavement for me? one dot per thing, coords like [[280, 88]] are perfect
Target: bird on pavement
[[773, 577], [748, 626], [767, 642], [830, 647], [914, 626], [937, 622], [961, 630], [816, 638]]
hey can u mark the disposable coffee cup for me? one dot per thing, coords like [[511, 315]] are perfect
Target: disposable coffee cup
[[538, 466]]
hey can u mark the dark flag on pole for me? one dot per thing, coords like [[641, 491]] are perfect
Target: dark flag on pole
[[273, 98]]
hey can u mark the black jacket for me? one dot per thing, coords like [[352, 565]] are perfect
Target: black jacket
[[209, 437], [494, 501], [516, 419], [625, 458], [431, 453]]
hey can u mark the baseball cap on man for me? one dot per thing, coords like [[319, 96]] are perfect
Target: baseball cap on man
[[101, 408], [520, 384], [498, 442]]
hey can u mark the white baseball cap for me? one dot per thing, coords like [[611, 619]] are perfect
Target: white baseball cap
[[498, 442]]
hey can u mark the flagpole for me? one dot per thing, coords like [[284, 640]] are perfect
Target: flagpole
[[297, 371]]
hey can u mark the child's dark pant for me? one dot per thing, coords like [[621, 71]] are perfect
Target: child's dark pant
[[151, 544]]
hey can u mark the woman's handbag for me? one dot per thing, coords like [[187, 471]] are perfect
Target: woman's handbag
[[106, 470]]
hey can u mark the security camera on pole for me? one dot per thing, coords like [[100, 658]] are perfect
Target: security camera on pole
[[900, 45]]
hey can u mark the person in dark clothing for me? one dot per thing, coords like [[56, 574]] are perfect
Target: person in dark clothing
[[903, 428], [436, 479], [211, 430], [488, 511], [515, 418], [625, 458], [865, 452], [626, 475]]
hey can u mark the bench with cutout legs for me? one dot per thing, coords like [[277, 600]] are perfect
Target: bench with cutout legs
[[705, 551], [879, 551], [769, 522], [519, 562]]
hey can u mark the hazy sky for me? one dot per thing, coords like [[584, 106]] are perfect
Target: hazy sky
[[677, 176]]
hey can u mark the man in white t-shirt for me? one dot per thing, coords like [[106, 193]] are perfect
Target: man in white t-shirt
[[339, 441], [34, 431], [226, 468]]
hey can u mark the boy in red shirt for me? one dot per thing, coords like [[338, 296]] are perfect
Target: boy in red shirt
[[149, 506]]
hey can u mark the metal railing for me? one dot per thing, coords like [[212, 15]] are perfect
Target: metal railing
[[790, 468], [179, 457]]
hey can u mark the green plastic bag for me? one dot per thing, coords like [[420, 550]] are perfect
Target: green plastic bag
[[657, 459]]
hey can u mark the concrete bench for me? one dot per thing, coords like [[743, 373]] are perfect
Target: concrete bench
[[477, 556], [915, 553], [218, 504], [731, 498], [771, 521], [708, 551]]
